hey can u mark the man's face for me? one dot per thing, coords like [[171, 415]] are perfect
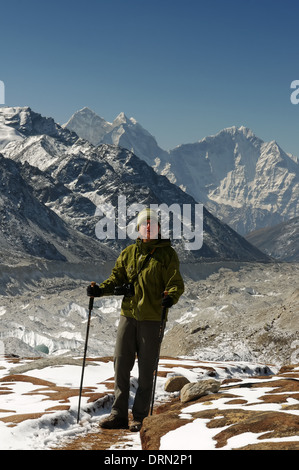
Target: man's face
[[148, 230]]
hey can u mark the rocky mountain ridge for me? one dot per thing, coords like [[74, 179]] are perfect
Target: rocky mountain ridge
[[29, 227], [280, 242]]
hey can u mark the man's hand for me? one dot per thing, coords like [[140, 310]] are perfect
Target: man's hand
[[94, 290], [167, 301]]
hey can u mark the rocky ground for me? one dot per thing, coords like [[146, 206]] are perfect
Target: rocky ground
[[255, 408], [230, 415], [268, 410], [239, 313]]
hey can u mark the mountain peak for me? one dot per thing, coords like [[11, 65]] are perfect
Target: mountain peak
[[88, 125], [121, 119], [85, 114], [242, 130], [86, 109]]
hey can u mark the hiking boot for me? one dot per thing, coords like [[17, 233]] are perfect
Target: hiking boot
[[114, 422], [136, 425]]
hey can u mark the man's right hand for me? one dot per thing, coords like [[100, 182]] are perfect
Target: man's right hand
[[94, 290]]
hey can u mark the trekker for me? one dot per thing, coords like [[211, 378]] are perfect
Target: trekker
[[142, 273]]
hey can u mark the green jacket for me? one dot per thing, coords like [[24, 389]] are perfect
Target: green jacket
[[161, 273]]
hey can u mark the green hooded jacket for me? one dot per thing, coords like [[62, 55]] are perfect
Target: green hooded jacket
[[160, 273]]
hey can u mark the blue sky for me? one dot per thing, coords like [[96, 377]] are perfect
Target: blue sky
[[184, 69]]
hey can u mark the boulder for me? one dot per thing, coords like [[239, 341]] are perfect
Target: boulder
[[176, 383], [195, 390]]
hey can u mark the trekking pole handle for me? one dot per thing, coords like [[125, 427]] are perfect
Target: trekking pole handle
[[164, 310], [91, 299]]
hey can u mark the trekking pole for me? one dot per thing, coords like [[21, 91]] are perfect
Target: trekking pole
[[161, 334], [91, 299]]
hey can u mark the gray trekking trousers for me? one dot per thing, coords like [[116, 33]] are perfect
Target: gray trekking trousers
[[139, 338]]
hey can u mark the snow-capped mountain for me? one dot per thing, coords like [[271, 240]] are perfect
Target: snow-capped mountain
[[123, 131], [23, 122], [88, 125], [244, 181], [72, 178], [7, 133]]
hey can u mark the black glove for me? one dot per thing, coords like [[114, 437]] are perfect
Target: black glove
[[94, 291], [167, 301]]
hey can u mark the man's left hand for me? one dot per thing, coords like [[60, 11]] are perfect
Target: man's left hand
[[167, 301]]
